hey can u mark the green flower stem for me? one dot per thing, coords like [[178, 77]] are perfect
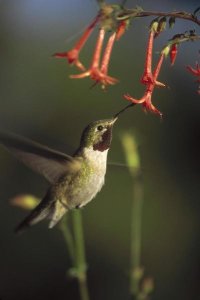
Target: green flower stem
[[76, 248], [80, 259], [136, 226], [133, 162], [64, 228], [139, 12]]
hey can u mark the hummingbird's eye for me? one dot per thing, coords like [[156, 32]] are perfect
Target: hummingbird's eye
[[100, 128]]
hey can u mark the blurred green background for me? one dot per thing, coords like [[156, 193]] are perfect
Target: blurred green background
[[39, 101]]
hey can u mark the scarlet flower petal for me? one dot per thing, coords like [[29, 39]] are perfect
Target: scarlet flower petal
[[102, 78], [72, 57], [96, 57], [150, 107], [130, 98], [196, 71], [60, 55], [99, 75], [147, 77], [146, 103], [173, 53], [107, 53], [105, 80], [121, 29], [151, 82], [80, 76]]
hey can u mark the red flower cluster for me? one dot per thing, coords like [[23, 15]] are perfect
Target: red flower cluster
[[149, 78], [98, 71], [111, 19], [73, 55]]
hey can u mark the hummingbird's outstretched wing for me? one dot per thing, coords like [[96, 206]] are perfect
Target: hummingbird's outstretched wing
[[41, 159]]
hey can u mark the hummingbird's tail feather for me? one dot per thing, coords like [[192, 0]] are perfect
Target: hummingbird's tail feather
[[38, 214], [53, 210], [58, 211]]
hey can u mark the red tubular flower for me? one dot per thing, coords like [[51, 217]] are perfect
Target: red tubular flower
[[107, 53], [94, 68], [147, 77], [108, 22], [146, 99], [173, 53], [73, 55], [95, 72], [195, 72], [121, 29], [104, 78]]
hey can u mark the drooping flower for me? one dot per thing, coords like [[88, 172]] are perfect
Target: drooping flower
[[73, 55], [121, 29], [195, 72], [147, 76], [173, 53], [146, 100], [107, 19], [97, 73]]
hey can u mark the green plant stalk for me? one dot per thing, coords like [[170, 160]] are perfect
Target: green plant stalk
[[136, 226], [76, 248], [64, 228], [80, 258], [133, 162]]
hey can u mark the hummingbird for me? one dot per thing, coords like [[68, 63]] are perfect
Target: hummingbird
[[74, 180]]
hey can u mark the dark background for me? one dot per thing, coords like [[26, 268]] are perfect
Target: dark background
[[39, 101]]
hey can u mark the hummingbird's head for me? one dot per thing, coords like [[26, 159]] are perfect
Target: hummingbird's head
[[98, 135]]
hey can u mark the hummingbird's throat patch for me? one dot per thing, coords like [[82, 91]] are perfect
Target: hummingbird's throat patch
[[105, 141]]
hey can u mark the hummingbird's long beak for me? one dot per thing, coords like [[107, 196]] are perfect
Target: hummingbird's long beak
[[123, 109], [113, 120]]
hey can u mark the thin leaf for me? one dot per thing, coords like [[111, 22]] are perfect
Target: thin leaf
[[172, 21]]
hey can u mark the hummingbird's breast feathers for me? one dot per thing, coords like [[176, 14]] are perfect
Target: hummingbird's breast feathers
[[97, 159], [88, 181]]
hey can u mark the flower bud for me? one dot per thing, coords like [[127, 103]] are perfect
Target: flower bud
[[27, 202]]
